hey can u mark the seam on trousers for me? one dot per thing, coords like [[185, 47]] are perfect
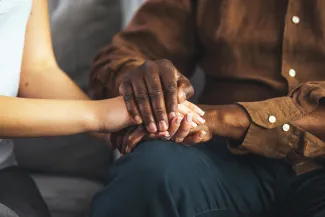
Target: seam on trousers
[[7, 212]]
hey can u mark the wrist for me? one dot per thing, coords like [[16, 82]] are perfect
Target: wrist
[[239, 121], [230, 121], [109, 115], [92, 117]]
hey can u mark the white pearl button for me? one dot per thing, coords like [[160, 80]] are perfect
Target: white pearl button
[[295, 19], [286, 127], [272, 119], [292, 73]]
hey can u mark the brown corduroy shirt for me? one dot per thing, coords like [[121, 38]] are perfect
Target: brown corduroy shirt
[[268, 55]]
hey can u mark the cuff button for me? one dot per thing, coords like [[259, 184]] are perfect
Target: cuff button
[[286, 127], [272, 119]]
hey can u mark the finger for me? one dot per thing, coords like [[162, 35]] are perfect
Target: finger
[[159, 135], [156, 96], [185, 89], [142, 99], [116, 140], [168, 75], [194, 138], [126, 137], [185, 110], [193, 107], [194, 125], [127, 92], [174, 125], [134, 138], [184, 128]]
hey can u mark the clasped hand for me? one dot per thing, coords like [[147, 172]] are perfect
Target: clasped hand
[[155, 96]]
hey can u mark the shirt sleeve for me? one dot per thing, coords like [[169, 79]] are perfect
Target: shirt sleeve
[[160, 29], [272, 132]]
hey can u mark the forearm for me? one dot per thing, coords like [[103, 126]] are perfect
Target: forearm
[[49, 83], [36, 117]]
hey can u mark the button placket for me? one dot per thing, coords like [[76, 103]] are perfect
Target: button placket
[[292, 27]]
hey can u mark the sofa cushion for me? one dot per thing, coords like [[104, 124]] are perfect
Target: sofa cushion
[[67, 197], [80, 156], [79, 30]]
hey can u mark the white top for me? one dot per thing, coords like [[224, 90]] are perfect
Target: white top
[[14, 15]]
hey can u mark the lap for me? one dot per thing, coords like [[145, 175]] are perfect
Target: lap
[[303, 196], [164, 179], [19, 195]]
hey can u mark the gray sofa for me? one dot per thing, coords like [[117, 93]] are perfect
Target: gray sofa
[[69, 170]]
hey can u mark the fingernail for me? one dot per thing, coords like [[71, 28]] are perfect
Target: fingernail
[[201, 120], [166, 137], [171, 115], [200, 111], [179, 120], [138, 119], [163, 126], [152, 128], [202, 134], [194, 125], [163, 134], [189, 117]]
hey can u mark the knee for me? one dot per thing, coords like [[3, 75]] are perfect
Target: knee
[[151, 161]]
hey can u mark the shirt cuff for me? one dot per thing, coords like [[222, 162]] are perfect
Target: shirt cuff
[[271, 133]]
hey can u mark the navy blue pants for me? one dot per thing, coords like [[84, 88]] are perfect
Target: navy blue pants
[[165, 179]]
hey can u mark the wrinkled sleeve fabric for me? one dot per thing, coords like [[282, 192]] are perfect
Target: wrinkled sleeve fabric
[[272, 133], [160, 29]]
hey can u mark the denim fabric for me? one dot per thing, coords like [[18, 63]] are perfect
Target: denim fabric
[[161, 179]]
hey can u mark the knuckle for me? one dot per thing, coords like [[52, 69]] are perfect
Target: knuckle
[[167, 66], [171, 87], [127, 96], [155, 93], [165, 63], [148, 67], [141, 97]]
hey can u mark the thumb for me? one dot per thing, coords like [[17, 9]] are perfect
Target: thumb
[[185, 89]]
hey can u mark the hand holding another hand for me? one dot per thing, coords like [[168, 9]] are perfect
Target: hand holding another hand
[[189, 117], [152, 92], [229, 121]]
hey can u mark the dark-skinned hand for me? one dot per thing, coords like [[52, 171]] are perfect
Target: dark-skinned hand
[[152, 93]]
